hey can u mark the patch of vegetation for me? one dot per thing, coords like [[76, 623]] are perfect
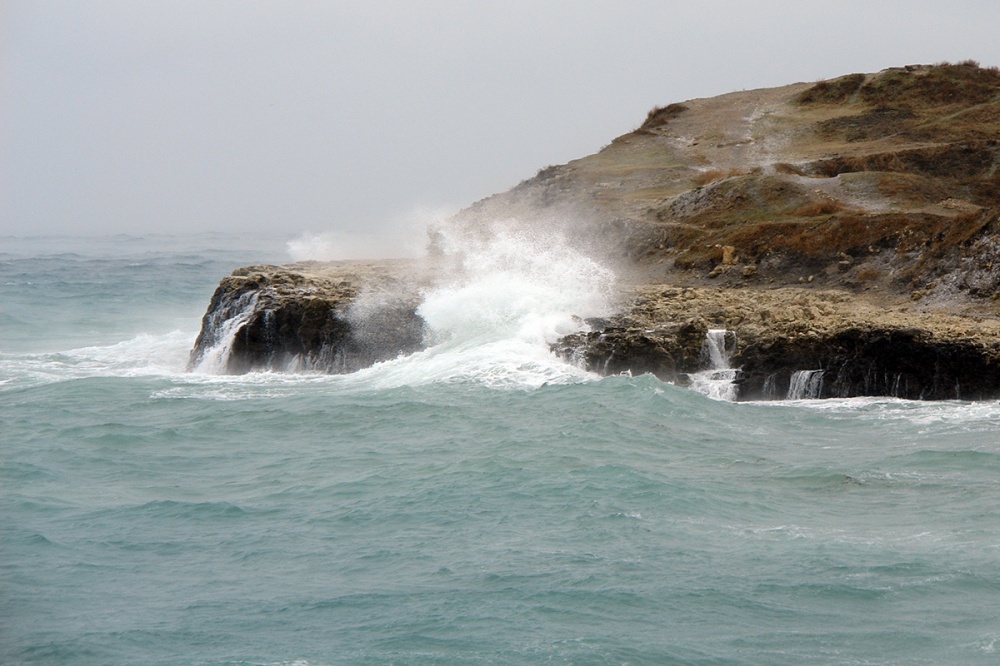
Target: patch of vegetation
[[869, 125], [853, 234], [986, 191], [698, 258], [965, 83], [816, 208], [867, 273], [977, 123], [789, 169], [834, 91], [958, 160], [544, 174], [661, 115], [925, 138], [712, 175], [912, 188]]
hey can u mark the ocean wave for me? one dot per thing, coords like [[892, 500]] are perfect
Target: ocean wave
[[141, 356]]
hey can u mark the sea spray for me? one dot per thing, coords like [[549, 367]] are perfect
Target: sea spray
[[403, 235], [145, 355], [500, 299], [528, 285]]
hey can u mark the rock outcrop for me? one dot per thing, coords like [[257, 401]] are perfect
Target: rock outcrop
[[862, 346], [847, 231], [335, 318]]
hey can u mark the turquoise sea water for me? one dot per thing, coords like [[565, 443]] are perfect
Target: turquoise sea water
[[478, 503]]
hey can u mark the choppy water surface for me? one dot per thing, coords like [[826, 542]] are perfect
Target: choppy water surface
[[480, 502]]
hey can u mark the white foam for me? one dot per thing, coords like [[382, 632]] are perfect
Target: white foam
[[805, 385], [532, 286], [938, 416], [492, 319], [506, 364], [503, 295], [214, 359], [501, 298], [253, 385], [144, 355]]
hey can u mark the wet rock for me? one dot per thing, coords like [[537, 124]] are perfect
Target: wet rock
[[862, 348], [312, 317]]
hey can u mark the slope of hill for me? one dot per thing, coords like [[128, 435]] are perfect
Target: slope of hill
[[887, 181]]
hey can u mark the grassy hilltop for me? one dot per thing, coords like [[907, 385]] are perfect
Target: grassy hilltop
[[887, 182]]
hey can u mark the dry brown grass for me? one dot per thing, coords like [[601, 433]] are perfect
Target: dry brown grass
[[916, 136], [712, 175], [661, 115], [986, 191], [788, 169], [944, 84], [817, 208], [956, 160], [912, 188], [867, 274], [834, 91], [869, 125]]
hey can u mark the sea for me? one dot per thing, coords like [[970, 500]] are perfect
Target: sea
[[479, 502]]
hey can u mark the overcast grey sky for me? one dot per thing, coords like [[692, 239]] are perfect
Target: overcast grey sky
[[138, 116]]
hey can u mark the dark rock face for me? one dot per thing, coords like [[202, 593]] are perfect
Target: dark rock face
[[901, 363], [271, 318], [267, 318], [315, 335], [669, 351]]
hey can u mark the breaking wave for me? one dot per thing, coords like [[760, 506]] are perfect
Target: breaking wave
[[497, 302]]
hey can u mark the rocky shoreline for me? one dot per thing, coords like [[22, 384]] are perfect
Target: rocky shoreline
[[862, 347], [845, 233], [340, 317]]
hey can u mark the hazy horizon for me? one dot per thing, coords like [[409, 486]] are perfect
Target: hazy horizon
[[360, 121]]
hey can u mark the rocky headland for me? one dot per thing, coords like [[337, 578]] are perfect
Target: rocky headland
[[846, 233]]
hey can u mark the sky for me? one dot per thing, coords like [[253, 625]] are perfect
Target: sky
[[180, 116]]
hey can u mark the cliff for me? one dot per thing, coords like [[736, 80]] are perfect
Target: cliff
[[848, 226]]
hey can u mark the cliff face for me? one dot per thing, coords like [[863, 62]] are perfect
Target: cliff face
[[847, 232]]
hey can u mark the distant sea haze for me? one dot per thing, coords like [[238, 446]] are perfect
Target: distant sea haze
[[479, 502]]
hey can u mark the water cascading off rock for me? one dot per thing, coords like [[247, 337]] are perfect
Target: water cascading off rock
[[718, 380]]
